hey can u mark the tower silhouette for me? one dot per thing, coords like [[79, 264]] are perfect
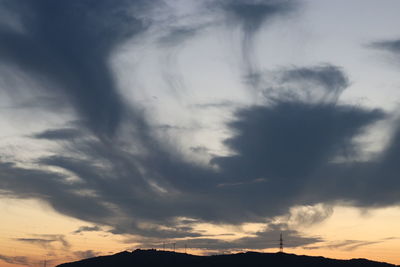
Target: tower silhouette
[[281, 243]]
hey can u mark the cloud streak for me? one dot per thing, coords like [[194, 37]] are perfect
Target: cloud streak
[[389, 45], [87, 229], [250, 16], [46, 241], [263, 239], [15, 260]]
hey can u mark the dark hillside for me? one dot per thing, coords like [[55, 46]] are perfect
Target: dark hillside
[[150, 258]]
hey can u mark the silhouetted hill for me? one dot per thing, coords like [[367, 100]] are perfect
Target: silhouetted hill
[[150, 258]]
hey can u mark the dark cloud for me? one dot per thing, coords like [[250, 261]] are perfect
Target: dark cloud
[[51, 187], [292, 134], [283, 153], [70, 43], [286, 145]]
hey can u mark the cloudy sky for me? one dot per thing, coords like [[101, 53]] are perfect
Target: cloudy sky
[[218, 124]]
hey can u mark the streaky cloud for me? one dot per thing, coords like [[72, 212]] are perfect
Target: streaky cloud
[[389, 45], [45, 240], [250, 17], [22, 260], [263, 239], [318, 84], [59, 134], [87, 229]]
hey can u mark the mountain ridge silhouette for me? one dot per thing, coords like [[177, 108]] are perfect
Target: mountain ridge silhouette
[[153, 258]]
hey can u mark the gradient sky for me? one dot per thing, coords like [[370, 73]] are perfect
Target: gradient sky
[[218, 124]]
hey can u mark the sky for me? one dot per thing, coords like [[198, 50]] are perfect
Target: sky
[[215, 124]]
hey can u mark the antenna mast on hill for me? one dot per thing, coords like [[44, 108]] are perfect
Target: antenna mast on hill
[[281, 243]]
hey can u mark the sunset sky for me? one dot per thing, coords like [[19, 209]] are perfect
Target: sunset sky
[[215, 124]]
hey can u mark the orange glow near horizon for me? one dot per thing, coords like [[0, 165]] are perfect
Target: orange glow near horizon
[[376, 231]]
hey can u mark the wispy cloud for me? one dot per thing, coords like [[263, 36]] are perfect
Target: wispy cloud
[[58, 134], [83, 229], [389, 45], [46, 241], [347, 245], [21, 260]]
